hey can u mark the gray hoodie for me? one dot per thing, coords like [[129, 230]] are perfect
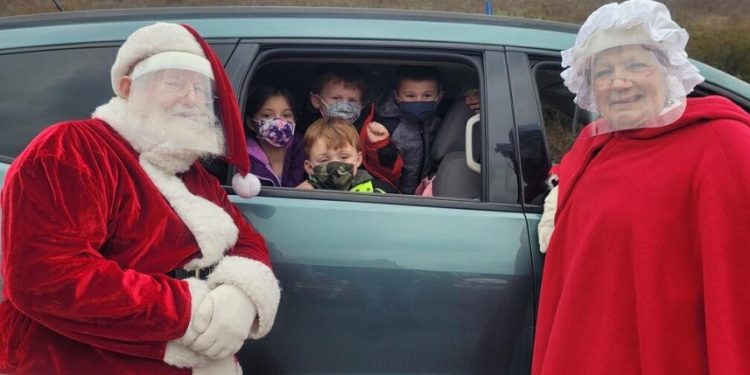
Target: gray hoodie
[[413, 140]]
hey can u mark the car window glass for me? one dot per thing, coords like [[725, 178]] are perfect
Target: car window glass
[[563, 120], [55, 85]]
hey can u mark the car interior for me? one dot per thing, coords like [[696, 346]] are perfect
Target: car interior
[[453, 178]]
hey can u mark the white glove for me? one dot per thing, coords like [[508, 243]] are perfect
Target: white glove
[[181, 356], [224, 318], [198, 291], [547, 223], [177, 353]]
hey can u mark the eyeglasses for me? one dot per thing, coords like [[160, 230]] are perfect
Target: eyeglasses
[[603, 77], [203, 93]]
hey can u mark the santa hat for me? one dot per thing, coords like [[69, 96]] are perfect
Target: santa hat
[[168, 38]]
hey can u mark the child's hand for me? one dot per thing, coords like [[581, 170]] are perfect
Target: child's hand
[[472, 100], [376, 132], [305, 185]]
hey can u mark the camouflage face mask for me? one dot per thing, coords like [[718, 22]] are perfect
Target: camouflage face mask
[[334, 175]]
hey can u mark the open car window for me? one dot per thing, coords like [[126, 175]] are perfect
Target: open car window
[[450, 174]]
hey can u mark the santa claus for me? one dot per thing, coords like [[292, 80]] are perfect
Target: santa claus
[[120, 252]]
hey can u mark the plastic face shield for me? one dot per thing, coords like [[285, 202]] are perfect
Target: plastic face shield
[[174, 109], [632, 89]]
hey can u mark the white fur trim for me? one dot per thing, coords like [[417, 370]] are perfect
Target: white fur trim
[[148, 41], [181, 356], [247, 186], [257, 281], [114, 113], [224, 366], [173, 60], [547, 223], [212, 227]]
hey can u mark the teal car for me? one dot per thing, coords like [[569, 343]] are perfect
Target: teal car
[[370, 283]]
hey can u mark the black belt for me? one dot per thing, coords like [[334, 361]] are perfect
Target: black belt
[[200, 273]]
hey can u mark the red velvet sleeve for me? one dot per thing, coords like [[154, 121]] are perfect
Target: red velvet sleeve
[[55, 219]]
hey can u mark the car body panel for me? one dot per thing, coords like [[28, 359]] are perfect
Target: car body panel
[[392, 295]]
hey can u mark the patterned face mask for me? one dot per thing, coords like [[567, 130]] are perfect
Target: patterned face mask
[[342, 109], [333, 175], [276, 131]]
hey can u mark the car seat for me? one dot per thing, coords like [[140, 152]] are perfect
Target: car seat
[[454, 178]]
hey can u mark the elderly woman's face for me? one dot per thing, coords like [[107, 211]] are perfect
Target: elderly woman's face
[[629, 86]]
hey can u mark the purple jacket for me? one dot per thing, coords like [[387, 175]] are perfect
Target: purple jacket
[[293, 172]]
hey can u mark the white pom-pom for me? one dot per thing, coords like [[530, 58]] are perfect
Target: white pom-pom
[[246, 186]]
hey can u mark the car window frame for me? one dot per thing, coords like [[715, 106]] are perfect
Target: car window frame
[[250, 55]]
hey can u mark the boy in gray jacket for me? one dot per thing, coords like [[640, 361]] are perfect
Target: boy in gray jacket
[[410, 117]]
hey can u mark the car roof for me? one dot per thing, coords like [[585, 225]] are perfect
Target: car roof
[[289, 22], [309, 23]]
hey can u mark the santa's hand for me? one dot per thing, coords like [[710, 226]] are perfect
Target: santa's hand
[[376, 132], [198, 291], [225, 317], [181, 356]]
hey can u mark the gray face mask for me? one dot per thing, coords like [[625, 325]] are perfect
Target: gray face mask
[[342, 109]]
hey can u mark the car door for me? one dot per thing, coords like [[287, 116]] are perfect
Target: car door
[[397, 283]]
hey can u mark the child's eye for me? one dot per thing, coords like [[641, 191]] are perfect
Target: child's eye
[[289, 116]]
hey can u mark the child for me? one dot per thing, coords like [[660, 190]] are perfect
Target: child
[[275, 150], [337, 92], [410, 119], [334, 156]]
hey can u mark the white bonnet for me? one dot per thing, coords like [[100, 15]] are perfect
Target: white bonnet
[[631, 22]]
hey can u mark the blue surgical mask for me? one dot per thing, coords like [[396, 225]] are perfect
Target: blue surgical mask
[[417, 111], [348, 111]]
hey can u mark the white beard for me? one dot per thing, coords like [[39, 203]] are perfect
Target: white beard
[[172, 140]]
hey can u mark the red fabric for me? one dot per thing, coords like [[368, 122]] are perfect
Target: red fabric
[[86, 240], [371, 160], [229, 112], [647, 271]]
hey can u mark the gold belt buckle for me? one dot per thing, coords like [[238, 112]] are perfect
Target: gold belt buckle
[[197, 273]]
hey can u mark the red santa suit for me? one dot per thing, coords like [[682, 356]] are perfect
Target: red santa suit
[[646, 271], [91, 226]]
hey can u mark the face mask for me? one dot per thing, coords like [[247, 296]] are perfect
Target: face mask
[[276, 131], [342, 109], [333, 175], [417, 111]]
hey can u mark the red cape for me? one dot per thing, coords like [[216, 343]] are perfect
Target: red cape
[[647, 271]]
